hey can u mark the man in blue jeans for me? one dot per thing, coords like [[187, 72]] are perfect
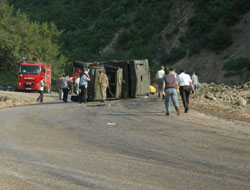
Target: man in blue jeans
[[169, 89]]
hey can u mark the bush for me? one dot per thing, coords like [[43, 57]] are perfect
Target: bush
[[236, 66], [195, 47], [8, 79], [172, 57], [220, 37], [211, 21]]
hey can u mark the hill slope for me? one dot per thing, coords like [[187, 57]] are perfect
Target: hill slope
[[196, 34], [209, 64]]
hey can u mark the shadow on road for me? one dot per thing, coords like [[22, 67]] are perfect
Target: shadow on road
[[54, 103], [135, 114]]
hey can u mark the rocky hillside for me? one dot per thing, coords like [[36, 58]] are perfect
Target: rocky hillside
[[208, 64]]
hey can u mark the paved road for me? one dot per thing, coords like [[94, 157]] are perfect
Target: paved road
[[123, 145]]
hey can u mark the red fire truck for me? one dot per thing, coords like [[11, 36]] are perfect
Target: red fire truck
[[30, 75]]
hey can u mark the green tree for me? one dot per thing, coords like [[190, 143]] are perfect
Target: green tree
[[21, 38]]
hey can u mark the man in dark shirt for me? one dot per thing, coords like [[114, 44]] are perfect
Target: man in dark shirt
[[169, 89]]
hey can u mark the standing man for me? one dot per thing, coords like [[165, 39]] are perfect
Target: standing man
[[159, 75], [41, 86], [172, 70], [169, 89], [84, 87], [195, 81], [77, 85], [103, 81], [59, 85], [65, 87], [186, 86]]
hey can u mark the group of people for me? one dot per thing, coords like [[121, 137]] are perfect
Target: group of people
[[169, 84], [81, 86]]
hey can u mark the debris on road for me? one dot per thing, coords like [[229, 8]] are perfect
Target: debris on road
[[111, 124]]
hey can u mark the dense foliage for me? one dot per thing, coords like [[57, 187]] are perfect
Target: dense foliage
[[237, 66], [90, 25], [209, 27], [132, 29], [21, 38]]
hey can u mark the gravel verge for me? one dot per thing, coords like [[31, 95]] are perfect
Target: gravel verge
[[13, 99]]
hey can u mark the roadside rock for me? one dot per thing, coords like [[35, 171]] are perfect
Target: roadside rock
[[223, 94], [242, 102], [230, 101], [4, 98], [210, 96]]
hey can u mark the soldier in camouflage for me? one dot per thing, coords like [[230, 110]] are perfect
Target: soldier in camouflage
[[104, 83]]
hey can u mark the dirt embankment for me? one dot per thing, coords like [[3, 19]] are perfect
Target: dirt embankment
[[13, 99]]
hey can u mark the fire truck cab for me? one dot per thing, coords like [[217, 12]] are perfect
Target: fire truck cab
[[30, 74]]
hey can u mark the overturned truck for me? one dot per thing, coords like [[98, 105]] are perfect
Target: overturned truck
[[127, 78]]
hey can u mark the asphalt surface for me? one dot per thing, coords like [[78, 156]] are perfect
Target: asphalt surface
[[120, 145]]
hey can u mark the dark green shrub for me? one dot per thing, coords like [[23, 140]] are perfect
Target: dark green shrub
[[175, 55], [211, 21], [196, 46], [220, 37], [236, 66]]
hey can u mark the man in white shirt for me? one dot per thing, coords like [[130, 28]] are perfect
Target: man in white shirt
[[186, 85], [159, 75], [84, 87], [59, 84], [65, 87], [77, 84], [41, 86]]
